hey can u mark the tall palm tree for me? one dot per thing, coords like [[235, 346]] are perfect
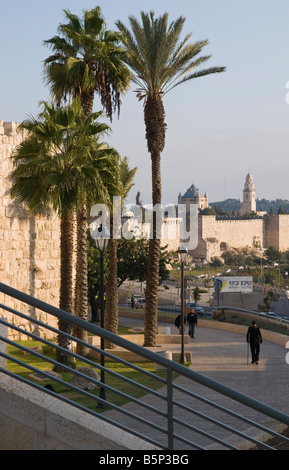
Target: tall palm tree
[[160, 61], [87, 59], [59, 160], [125, 183]]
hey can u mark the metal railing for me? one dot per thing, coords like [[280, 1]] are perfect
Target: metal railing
[[256, 313], [182, 409]]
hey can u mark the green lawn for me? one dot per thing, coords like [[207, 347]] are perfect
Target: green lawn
[[114, 382]]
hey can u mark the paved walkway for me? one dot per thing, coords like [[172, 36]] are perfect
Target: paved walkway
[[222, 356]]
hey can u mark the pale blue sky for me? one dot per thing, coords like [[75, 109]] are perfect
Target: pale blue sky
[[219, 127]]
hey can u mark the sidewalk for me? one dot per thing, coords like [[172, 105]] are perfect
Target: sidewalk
[[222, 356]]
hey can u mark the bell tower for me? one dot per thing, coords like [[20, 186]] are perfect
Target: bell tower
[[249, 201]]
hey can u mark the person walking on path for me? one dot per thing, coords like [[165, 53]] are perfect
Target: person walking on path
[[254, 338], [192, 320], [132, 301]]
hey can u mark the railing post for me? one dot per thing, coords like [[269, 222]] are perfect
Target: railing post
[[3, 345], [170, 425]]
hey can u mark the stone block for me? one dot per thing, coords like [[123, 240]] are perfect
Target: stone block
[[85, 384]]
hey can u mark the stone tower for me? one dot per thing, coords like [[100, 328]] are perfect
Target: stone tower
[[249, 201]]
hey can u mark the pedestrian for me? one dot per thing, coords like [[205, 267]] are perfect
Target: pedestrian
[[178, 321], [192, 320], [254, 337], [132, 302]]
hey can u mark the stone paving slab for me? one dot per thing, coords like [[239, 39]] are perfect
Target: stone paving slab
[[223, 356]]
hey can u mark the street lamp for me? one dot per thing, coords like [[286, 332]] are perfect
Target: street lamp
[[101, 241], [183, 254]]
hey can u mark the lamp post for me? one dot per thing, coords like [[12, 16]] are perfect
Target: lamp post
[[102, 244], [183, 257]]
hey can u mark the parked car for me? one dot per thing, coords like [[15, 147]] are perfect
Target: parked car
[[197, 308], [269, 314], [140, 303]]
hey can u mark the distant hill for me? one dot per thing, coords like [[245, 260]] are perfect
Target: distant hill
[[264, 205]]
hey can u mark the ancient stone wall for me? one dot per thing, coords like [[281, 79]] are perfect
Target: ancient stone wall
[[283, 239], [272, 231], [219, 234], [216, 236], [29, 245]]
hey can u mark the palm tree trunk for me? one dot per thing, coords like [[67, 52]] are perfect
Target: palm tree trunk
[[155, 135], [66, 283], [152, 275], [111, 303], [86, 100], [81, 282]]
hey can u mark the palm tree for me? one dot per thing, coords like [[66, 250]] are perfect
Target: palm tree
[[160, 61], [126, 176], [86, 59], [59, 160]]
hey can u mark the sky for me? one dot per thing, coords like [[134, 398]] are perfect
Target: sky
[[219, 127]]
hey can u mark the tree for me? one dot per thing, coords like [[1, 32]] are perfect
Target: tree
[[160, 61], [132, 261], [131, 264], [59, 161], [273, 254], [87, 59], [125, 183], [266, 306], [196, 294]]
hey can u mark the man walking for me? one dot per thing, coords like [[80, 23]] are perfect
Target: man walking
[[192, 321], [254, 337]]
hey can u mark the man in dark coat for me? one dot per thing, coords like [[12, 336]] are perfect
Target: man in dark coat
[[254, 337], [192, 320]]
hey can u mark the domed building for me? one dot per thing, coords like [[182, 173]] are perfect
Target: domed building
[[192, 196]]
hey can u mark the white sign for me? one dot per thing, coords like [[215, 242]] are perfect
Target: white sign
[[234, 284]]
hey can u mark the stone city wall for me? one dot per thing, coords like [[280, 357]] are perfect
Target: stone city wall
[[216, 236], [233, 233], [29, 246], [283, 238], [272, 231]]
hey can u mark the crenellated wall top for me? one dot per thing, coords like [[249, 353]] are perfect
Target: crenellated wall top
[[8, 128]]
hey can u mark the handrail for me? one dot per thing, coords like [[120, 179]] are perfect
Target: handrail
[[168, 418], [252, 312]]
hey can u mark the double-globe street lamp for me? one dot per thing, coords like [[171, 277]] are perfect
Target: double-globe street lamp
[[183, 254], [101, 242]]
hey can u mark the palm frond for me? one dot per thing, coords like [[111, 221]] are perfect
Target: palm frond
[[87, 58], [62, 161], [159, 59]]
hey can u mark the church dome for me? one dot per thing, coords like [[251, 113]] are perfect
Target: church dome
[[191, 192]]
